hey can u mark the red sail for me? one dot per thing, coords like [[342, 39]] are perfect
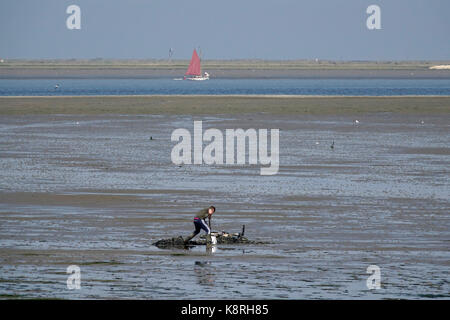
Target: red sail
[[194, 66]]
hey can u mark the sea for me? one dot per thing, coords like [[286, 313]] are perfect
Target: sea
[[344, 87]]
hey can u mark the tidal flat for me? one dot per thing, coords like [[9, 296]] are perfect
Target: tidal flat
[[83, 184]]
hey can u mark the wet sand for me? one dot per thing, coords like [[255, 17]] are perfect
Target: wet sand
[[223, 104], [82, 184]]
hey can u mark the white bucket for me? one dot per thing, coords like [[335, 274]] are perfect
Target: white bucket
[[213, 240]]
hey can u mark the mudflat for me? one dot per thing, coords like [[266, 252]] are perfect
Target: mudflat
[[83, 184], [223, 104]]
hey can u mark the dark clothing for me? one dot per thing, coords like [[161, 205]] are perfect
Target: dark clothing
[[200, 224]]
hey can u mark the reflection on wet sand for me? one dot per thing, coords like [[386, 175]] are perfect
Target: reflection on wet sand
[[205, 272]]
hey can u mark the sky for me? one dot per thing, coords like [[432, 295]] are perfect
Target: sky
[[231, 29]]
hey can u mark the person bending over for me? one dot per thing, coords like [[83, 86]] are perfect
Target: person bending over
[[200, 222]]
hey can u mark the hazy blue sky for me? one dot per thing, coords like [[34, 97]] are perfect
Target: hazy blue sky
[[228, 29]]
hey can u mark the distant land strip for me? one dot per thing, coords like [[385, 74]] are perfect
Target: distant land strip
[[256, 69]]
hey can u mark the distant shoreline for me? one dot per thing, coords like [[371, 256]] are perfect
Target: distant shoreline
[[131, 73], [229, 69]]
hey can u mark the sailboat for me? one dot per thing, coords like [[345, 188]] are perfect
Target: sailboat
[[194, 71]]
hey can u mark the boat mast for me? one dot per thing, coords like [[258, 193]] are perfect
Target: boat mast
[[200, 58]]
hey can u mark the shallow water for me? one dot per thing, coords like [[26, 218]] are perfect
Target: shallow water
[[345, 87], [96, 192]]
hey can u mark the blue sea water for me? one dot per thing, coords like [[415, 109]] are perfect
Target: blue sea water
[[345, 87]]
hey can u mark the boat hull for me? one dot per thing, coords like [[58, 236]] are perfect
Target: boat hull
[[198, 78]]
